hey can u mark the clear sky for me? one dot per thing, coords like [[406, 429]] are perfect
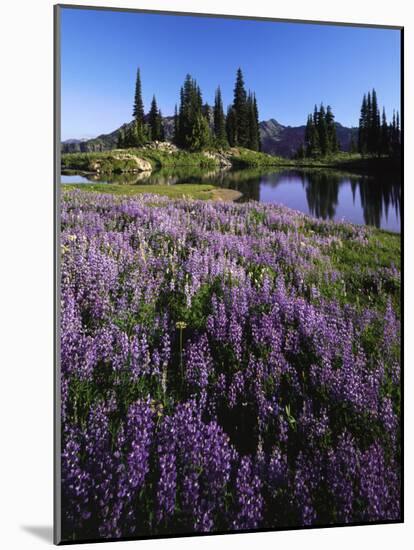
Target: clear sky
[[290, 66]]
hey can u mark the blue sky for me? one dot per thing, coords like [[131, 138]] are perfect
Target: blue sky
[[290, 66]]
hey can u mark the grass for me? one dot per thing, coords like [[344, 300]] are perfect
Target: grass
[[238, 156], [366, 269], [183, 190], [245, 158], [157, 158], [350, 161]]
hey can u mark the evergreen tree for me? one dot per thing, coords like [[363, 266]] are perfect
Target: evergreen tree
[[138, 110], [154, 121], [176, 127], [200, 134], [256, 116], [323, 131], [395, 137], [363, 127], [385, 145], [315, 115], [241, 111], [312, 148], [138, 136], [308, 135], [121, 139], [219, 121], [161, 127], [231, 127], [333, 145], [375, 126], [253, 142], [301, 152], [206, 110], [374, 134], [353, 147], [193, 127]]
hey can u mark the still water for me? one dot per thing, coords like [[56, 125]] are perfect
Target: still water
[[327, 194]]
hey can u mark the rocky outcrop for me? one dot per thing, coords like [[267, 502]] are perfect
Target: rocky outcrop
[[120, 162], [166, 146], [221, 160]]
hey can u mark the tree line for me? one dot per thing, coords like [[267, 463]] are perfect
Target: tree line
[[196, 124], [144, 128], [375, 135], [320, 134]]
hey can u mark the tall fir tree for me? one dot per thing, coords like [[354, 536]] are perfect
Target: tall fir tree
[[176, 137], [385, 142], [374, 134], [253, 142], [323, 131], [138, 110], [333, 145], [257, 123], [193, 128], [161, 126], [121, 139], [231, 126], [155, 122], [220, 135], [200, 134], [375, 126], [363, 127], [137, 136], [241, 111], [320, 133]]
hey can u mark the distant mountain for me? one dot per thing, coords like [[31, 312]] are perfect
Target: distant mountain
[[284, 141], [276, 139]]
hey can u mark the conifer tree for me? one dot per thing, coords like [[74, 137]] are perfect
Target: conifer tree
[[323, 131], [253, 142], [256, 115], [333, 145], [138, 136], [138, 110], [315, 115], [161, 136], [121, 139], [154, 121], [231, 128], [200, 134], [385, 145], [353, 147], [219, 121], [193, 128], [176, 137], [374, 126], [363, 127], [241, 111]]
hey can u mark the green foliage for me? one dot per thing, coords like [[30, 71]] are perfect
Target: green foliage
[[156, 129], [320, 134], [241, 110], [242, 158], [200, 137], [195, 191], [375, 136], [220, 135], [231, 126], [138, 109], [191, 125]]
